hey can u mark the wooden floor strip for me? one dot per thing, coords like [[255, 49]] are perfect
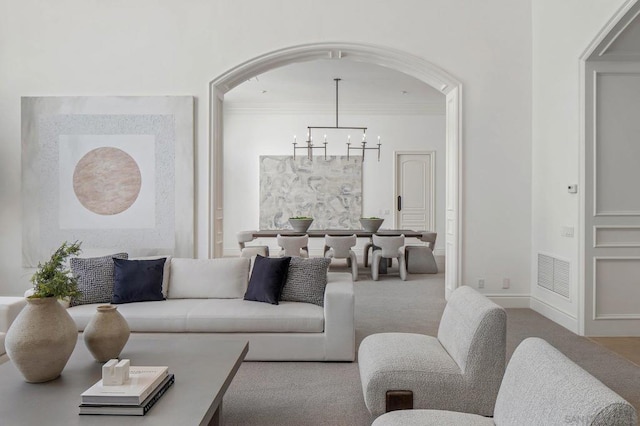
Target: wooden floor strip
[[626, 347]]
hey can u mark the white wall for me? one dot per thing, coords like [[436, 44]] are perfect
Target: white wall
[[248, 136], [560, 36], [165, 47]]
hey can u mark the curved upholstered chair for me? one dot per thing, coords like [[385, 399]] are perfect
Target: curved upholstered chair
[[541, 386], [388, 248], [459, 370], [250, 251], [339, 247], [419, 259], [294, 245]]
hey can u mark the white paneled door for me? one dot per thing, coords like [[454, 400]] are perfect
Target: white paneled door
[[415, 193], [612, 204]]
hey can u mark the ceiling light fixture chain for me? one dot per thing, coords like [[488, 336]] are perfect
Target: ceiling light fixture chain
[[309, 147]]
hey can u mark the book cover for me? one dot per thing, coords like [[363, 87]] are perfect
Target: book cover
[[130, 410], [142, 381]]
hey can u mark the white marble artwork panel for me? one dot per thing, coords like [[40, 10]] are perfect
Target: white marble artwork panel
[[141, 213], [328, 190]]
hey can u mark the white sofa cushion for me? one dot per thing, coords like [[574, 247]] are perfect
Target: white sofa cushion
[[222, 278], [244, 316], [162, 316], [212, 316]]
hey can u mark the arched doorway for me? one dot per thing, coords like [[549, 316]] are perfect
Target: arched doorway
[[390, 58]]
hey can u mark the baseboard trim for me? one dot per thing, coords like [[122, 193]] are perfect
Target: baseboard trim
[[510, 301], [554, 314]]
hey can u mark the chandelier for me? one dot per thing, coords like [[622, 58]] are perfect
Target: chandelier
[[309, 146]]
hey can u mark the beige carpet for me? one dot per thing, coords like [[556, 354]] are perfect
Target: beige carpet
[[312, 393]]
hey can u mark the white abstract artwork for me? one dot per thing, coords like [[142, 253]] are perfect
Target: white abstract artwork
[[328, 190], [115, 173]]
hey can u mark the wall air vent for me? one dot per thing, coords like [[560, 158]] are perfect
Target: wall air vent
[[553, 274]]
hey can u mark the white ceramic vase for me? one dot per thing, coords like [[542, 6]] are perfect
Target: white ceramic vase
[[107, 333], [41, 339], [300, 225], [370, 224]]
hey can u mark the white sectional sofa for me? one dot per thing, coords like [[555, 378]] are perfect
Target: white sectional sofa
[[206, 296], [10, 307]]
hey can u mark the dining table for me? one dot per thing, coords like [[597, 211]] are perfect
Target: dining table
[[321, 233]]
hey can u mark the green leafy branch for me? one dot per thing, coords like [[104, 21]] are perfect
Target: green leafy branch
[[52, 279]]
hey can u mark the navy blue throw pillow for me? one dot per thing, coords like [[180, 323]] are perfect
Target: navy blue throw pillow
[[137, 280], [267, 279]]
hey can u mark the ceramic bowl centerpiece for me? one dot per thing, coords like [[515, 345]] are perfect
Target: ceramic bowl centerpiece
[[371, 224], [43, 335], [300, 223]]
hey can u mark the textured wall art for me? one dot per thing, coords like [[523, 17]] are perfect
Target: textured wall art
[[328, 190], [113, 172]]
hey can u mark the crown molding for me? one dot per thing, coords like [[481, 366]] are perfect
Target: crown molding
[[434, 108]]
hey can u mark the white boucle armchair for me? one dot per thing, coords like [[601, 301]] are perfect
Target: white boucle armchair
[[459, 370], [541, 386]]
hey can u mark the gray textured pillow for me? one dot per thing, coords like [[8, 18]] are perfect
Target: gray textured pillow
[[95, 277], [306, 280]]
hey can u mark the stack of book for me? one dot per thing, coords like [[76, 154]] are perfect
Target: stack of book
[[143, 389]]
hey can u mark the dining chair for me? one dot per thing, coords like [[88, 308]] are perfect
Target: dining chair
[[387, 247], [339, 247], [294, 245], [419, 259], [250, 251]]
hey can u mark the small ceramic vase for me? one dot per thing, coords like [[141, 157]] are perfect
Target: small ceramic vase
[[106, 334]]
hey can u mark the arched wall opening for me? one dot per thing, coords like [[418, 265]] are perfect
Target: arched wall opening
[[390, 58]]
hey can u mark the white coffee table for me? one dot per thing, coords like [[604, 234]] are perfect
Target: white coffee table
[[203, 367]]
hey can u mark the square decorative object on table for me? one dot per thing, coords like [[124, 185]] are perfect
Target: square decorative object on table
[[267, 279], [306, 280], [95, 277]]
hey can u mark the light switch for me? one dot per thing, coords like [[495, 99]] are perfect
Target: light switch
[[567, 231]]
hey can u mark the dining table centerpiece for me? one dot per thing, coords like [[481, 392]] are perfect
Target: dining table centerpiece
[[300, 223], [371, 224]]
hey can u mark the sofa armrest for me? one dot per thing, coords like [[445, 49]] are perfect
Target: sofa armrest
[[339, 322], [10, 307]]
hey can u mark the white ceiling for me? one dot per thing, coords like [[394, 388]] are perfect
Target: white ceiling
[[362, 86]]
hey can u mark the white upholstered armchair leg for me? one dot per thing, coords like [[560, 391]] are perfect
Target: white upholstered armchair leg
[[354, 265], [402, 266]]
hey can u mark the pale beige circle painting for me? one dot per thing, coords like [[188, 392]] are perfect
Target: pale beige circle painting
[[107, 181]]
